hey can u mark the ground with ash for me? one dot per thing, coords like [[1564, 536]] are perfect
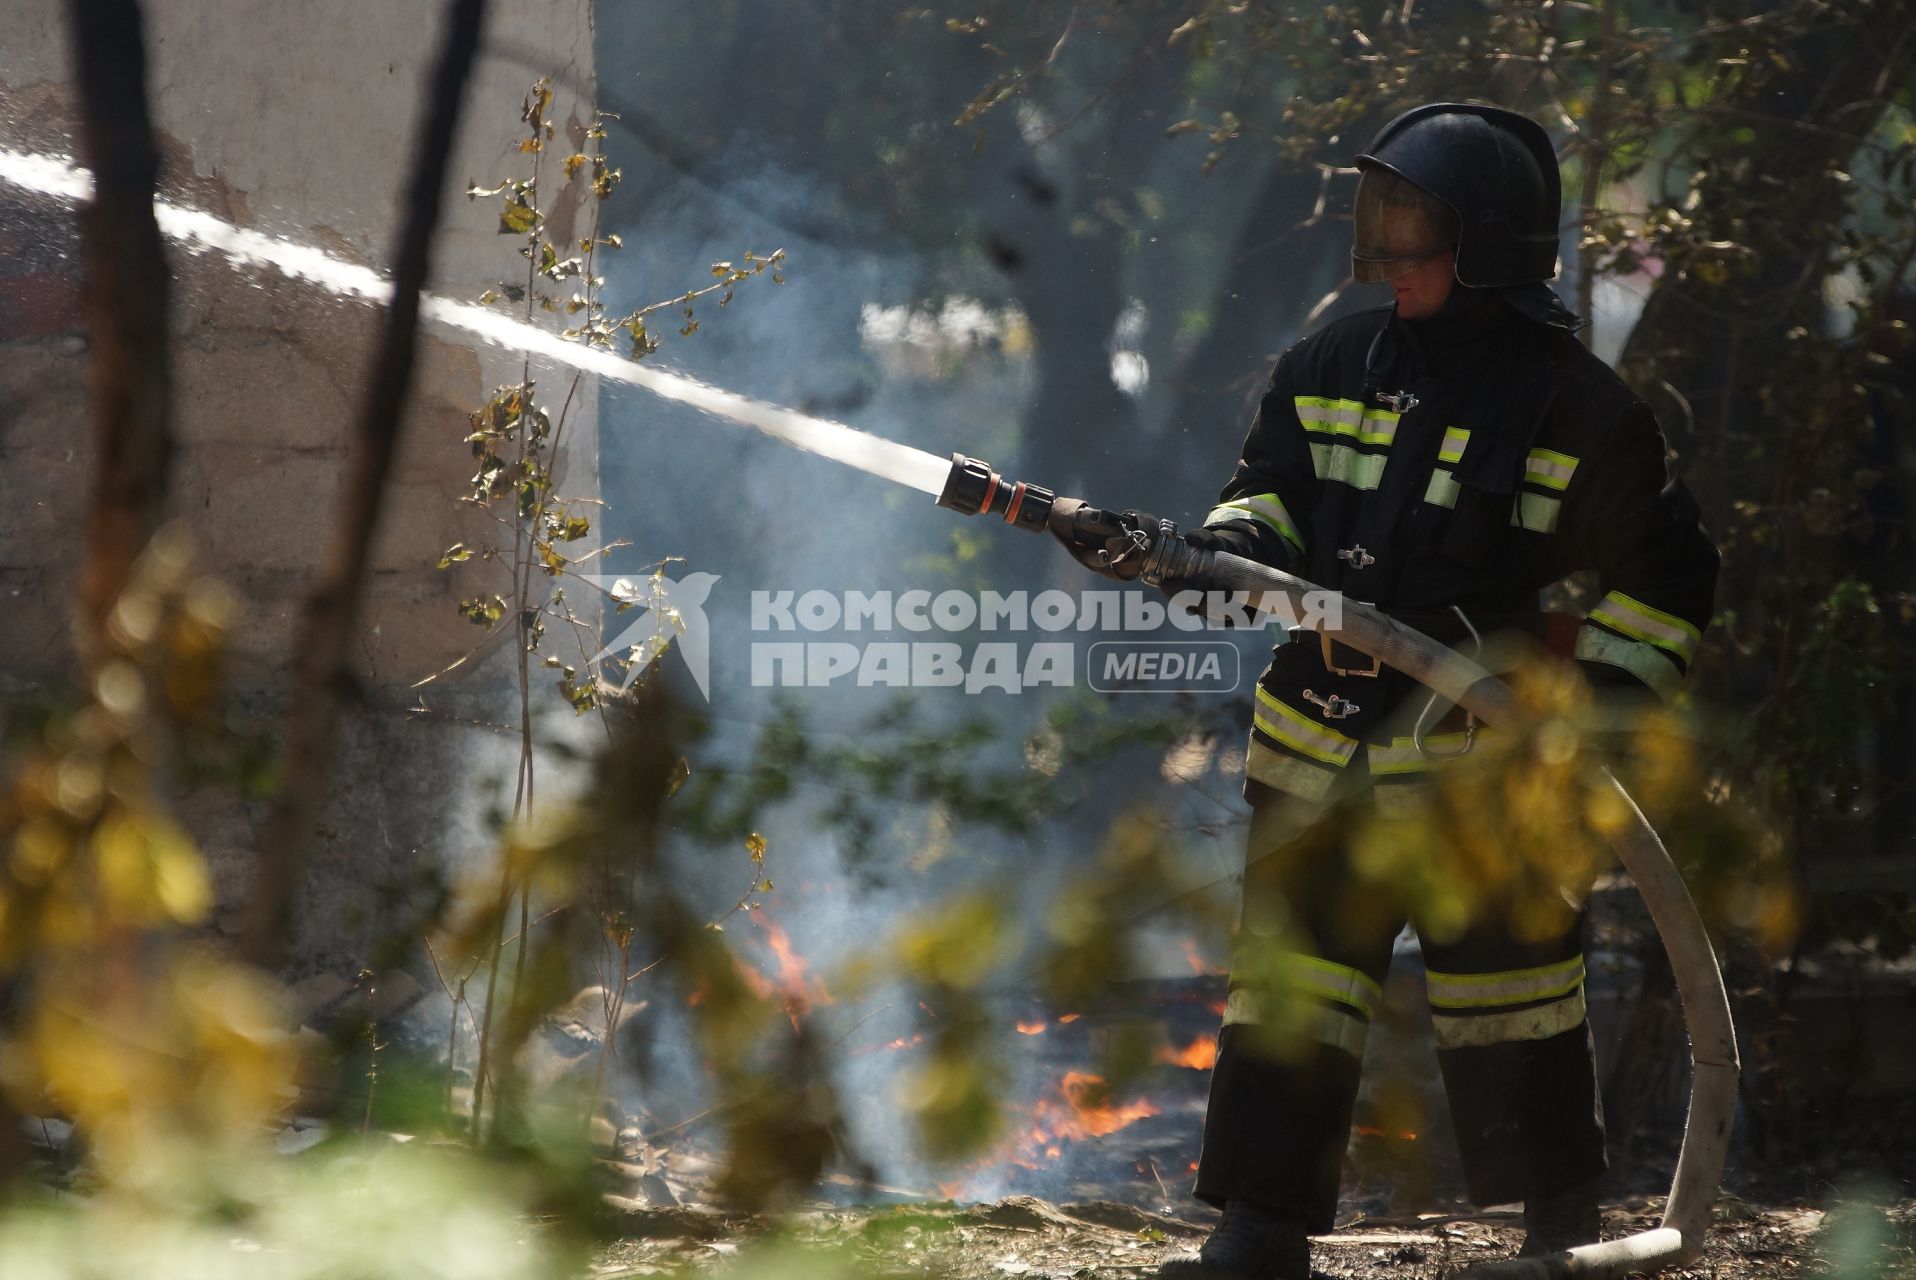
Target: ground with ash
[[1025, 1236], [1094, 1182]]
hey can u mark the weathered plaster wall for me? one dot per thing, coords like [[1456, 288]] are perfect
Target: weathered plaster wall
[[293, 119]]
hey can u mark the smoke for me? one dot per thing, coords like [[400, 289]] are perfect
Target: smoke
[[766, 518]]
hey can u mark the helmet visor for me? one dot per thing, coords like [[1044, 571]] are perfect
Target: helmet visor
[[1399, 227]]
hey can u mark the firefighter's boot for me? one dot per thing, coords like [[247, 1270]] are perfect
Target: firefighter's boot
[[1251, 1243], [1562, 1221]]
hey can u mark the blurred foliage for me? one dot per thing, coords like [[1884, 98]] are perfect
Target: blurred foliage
[[176, 1066], [907, 759]]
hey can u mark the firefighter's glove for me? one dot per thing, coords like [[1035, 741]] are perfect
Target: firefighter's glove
[[1109, 544]]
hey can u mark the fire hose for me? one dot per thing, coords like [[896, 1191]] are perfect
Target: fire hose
[[973, 488]]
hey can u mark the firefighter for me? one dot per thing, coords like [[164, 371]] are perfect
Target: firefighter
[[1444, 458]]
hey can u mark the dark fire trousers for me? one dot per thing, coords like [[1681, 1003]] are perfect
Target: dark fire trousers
[[1512, 1039]]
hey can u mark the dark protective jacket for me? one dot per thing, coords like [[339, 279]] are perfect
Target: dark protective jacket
[[1471, 463]]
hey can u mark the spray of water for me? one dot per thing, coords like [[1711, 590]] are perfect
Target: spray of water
[[59, 179]]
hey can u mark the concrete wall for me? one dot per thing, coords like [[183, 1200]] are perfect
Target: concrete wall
[[298, 120]]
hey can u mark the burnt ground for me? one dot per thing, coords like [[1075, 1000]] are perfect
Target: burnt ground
[[1113, 1201], [1025, 1236], [1821, 1179]]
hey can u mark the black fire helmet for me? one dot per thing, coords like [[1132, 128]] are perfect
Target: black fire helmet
[[1450, 173]]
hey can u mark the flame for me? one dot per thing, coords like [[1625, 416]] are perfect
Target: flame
[[892, 1046], [1199, 1055], [1076, 1109], [761, 986], [1194, 957], [1218, 1007], [1035, 1028], [1087, 1110], [1370, 1131], [794, 987], [794, 971], [1065, 1019]]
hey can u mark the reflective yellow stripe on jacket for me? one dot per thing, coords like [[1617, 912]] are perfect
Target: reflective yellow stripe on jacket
[[1646, 662], [1402, 755], [1297, 731], [1337, 422], [1288, 774], [1265, 508], [1548, 468], [1652, 626]]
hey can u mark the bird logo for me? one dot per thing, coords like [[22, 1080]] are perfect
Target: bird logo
[[675, 611]]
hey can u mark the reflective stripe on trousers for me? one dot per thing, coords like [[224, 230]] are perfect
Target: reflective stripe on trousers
[[1507, 1007]]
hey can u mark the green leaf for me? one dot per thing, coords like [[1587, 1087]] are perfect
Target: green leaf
[[566, 527], [643, 343], [483, 611], [517, 217], [582, 694]]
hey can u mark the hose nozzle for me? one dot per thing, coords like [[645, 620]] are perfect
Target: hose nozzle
[[973, 488], [1123, 545]]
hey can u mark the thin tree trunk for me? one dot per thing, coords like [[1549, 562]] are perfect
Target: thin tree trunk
[[126, 306], [320, 672]]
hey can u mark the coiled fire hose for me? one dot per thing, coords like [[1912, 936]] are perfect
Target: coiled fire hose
[[974, 488]]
